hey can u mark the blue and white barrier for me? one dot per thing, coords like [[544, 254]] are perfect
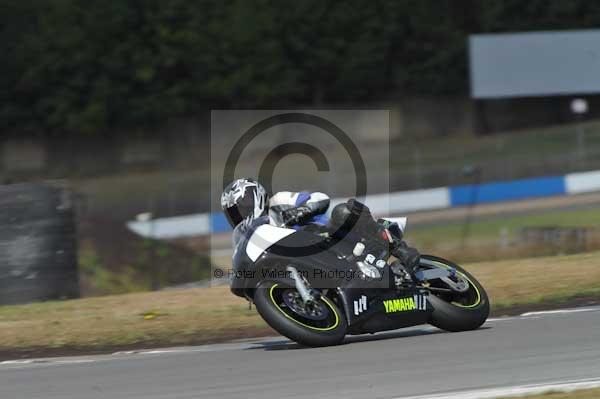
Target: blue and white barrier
[[506, 191], [397, 203], [585, 182]]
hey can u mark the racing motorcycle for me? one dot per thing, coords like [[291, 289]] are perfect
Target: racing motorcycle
[[315, 289]]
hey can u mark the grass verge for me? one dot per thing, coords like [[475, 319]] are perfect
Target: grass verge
[[487, 234], [204, 315], [492, 227]]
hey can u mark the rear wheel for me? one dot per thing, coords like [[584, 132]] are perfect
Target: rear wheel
[[315, 324], [466, 307]]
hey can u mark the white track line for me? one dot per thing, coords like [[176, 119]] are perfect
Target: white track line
[[565, 386], [560, 311]]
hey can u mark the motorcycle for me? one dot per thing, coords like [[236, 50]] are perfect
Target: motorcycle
[[315, 290]]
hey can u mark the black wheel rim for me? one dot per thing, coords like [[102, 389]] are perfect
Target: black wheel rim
[[321, 316], [312, 311]]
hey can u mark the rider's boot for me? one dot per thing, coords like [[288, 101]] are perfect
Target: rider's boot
[[408, 256]]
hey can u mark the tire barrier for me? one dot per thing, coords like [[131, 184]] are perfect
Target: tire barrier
[[38, 247]]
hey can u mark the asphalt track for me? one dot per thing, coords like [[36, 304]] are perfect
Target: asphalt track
[[530, 349]]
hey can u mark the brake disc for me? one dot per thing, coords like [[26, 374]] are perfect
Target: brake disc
[[311, 311]]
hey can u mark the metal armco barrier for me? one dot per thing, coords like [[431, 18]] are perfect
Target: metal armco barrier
[[38, 246]]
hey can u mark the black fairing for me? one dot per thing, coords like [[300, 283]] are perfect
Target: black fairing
[[288, 251], [375, 318], [272, 265]]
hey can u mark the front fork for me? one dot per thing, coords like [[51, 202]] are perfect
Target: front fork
[[307, 293]]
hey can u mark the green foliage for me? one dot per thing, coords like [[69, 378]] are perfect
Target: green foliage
[[89, 66], [103, 281], [150, 265]]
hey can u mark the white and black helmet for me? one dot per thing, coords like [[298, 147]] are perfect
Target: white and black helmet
[[243, 199]]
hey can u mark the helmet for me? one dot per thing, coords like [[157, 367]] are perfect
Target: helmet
[[243, 199]]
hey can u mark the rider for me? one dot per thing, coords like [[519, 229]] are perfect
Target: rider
[[245, 202]]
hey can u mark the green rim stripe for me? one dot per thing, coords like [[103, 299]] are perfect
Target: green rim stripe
[[337, 319]]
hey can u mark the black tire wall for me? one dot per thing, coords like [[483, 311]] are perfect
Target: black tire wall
[[38, 247]]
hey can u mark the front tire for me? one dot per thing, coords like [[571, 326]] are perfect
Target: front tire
[[462, 314], [276, 302]]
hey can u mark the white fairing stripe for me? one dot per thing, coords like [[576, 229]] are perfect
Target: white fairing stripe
[[263, 237]]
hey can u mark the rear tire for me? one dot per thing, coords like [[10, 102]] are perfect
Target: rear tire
[[453, 317], [270, 305]]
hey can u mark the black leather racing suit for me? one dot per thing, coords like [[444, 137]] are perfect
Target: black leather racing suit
[[299, 208]]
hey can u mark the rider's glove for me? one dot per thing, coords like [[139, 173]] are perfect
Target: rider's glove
[[392, 227], [295, 215]]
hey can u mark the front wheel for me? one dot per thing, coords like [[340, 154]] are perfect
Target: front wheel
[[314, 324], [462, 310]]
